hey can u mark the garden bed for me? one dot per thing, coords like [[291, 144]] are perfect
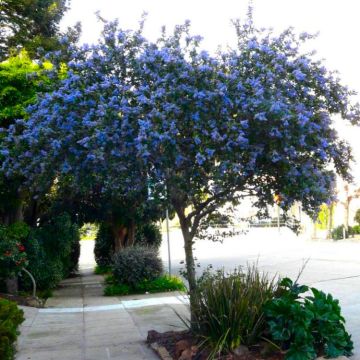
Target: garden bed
[[182, 345], [24, 300]]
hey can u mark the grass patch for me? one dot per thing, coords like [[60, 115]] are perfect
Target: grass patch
[[161, 284], [102, 270]]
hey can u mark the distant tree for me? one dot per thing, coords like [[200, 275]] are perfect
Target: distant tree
[[32, 24], [350, 195], [253, 121], [195, 129]]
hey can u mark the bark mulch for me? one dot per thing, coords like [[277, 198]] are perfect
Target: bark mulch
[[182, 345]]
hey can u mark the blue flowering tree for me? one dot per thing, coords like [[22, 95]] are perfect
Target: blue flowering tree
[[253, 121], [195, 129], [80, 136]]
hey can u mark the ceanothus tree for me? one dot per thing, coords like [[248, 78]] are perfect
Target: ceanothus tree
[[81, 135], [253, 121], [199, 130]]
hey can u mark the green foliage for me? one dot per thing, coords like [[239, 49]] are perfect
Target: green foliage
[[338, 232], [102, 270], [148, 234], [356, 229], [20, 79], [133, 265], [357, 216], [323, 217], [31, 24], [104, 246], [307, 326], [12, 251], [88, 232], [229, 307], [10, 318], [53, 251], [161, 284]]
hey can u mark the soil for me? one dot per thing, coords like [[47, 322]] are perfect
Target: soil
[[171, 339]]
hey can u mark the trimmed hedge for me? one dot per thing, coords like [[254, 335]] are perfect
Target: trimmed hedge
[[10, 319], [135, 264]]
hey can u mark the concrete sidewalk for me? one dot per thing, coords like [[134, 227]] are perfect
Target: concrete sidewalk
[[79, 323]]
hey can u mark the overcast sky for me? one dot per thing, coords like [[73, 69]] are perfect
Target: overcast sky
[[337, 22]]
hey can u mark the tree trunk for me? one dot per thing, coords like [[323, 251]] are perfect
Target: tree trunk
[[190, 263], [12, 285], [119, 232], [131, 233], [330, 220], [346, 220]]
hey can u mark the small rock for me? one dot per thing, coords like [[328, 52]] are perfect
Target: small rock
[[161, 351], [186, 355], [180, 346], [189, 353], [240, 351], [35, 302], [152, 336]]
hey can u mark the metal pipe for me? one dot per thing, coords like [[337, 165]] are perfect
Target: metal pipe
[[33, 281], [168, 239]]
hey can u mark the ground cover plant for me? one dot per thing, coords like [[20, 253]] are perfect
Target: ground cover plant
[[163, 283], [307, 326]]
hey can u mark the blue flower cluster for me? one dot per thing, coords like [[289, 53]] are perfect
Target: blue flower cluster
[[255, 120]]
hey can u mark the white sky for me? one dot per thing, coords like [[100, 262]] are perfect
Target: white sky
[[337, 21]]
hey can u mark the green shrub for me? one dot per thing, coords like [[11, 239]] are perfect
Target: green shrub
[[117, 289], [73, 264], [228, 308], [148, 235], [133, 265], [161, 284], [104, 246], [357, 216], [10, 319], [12, 251], [307, 326], [53, 252], [356, 229], [102, 270], [338, 232]]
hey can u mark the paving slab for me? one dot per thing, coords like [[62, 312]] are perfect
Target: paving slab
[[79, 323]]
